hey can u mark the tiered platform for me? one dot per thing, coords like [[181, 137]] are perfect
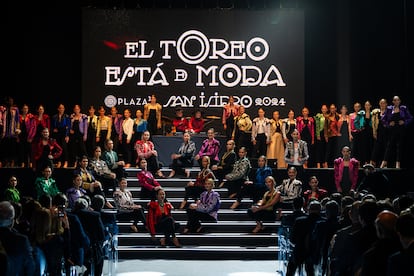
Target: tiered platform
[[229, 238]]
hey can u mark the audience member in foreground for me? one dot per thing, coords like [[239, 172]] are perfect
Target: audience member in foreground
[[17, 246], [300, 235], [401, 262]]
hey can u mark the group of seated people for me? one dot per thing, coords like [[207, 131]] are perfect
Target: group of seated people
[[344, 235], [327, 232]]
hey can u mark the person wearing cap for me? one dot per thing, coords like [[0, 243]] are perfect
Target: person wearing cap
[[376, 182], [375, 259]]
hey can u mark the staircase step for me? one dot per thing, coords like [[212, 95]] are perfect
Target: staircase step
[[228, 239], [225, 203], [174, 192], [207, 239], [232, 226], [199, 253]]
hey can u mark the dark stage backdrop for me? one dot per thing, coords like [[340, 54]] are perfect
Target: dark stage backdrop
[[193, 59]]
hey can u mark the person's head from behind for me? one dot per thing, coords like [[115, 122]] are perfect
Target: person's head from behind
[[332, 210], [18, 210], [385, 224], [403, 202], [6, 214], [337, 197], [405, 228], [98, 202], [81, 204], [46, 201], [368, 212], [314, 207], [368, 169], [41, 224], [28, 207], [298, 203], [346, 201], [60, 200]]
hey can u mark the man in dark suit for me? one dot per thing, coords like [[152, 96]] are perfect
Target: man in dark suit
[[401, 262], [79, 241], [19, 252], [94, 228], [301, 238]]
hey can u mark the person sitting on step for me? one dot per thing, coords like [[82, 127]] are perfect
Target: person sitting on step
[[184, 157], [255, 189], [194, 189], [127, 208], [149, 185], [265, 209], [239, 174], [160, 220], [204, 209]]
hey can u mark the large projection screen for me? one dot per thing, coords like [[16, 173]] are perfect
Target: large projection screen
[[193, 59]]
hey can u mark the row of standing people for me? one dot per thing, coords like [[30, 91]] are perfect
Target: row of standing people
[[367, 131], [75, 133]]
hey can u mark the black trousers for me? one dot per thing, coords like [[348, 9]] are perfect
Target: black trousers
[[135, 215], [195, 217]]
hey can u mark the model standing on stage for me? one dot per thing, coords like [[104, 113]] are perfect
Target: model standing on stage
[[152, 113], [230, 111]]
